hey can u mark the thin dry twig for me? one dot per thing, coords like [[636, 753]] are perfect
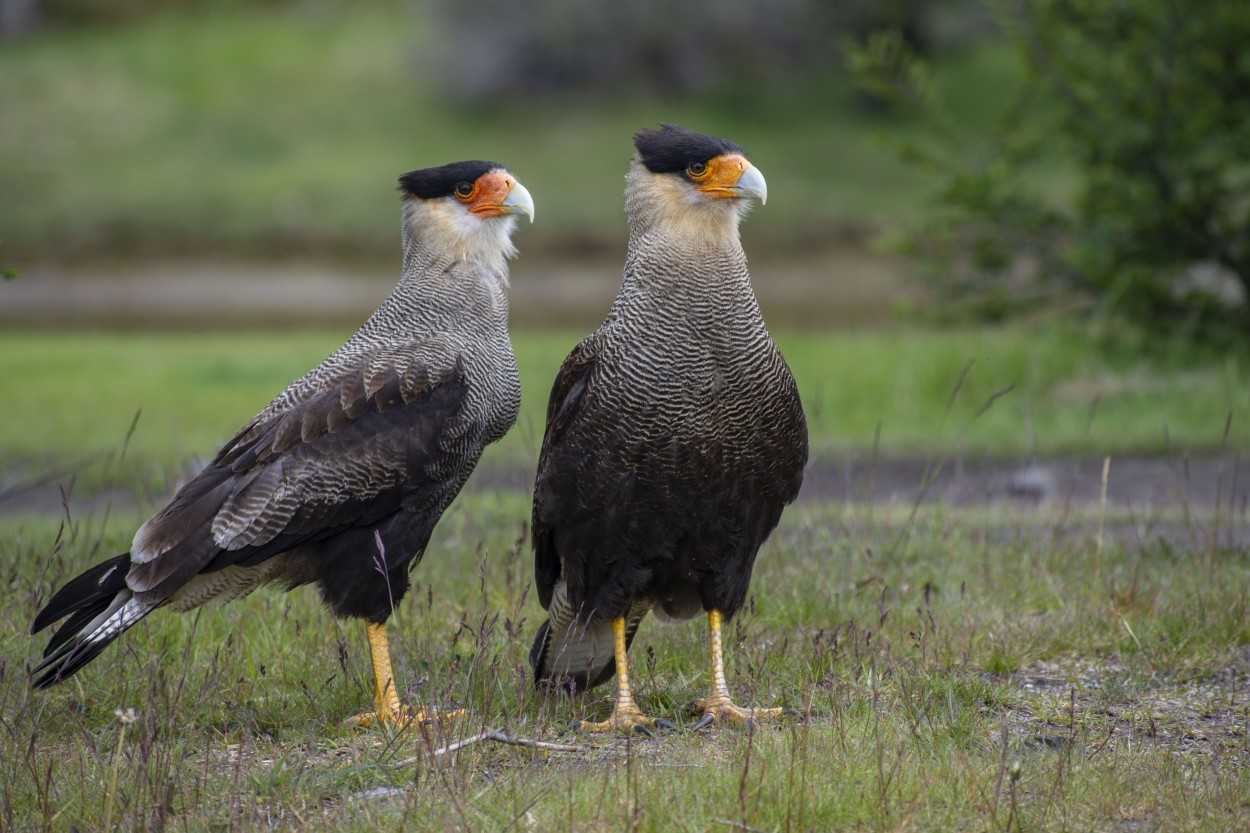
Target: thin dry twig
[[737, 825], [498, 737]]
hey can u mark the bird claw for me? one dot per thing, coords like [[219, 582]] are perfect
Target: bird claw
[[628, 719], [704, 722], [660, 723]]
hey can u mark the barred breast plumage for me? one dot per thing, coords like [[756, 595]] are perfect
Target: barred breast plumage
[[675, 437]]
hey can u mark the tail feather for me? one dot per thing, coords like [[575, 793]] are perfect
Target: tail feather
[[567, 651], [78, 622], [100, 583], [100, 607]]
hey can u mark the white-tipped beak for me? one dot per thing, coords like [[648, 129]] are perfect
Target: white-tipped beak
[[519, 201], [751, 185]]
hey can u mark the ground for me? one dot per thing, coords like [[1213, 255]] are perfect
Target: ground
[[1139, 486], [978, 641]]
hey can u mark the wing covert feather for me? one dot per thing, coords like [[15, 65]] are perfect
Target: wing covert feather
[[346, 456]]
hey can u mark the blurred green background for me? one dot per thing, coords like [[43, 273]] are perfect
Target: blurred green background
[[278, 129], [170, 167]]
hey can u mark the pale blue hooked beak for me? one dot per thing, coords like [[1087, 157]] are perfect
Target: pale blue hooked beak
[[519, 201], [751, 185]]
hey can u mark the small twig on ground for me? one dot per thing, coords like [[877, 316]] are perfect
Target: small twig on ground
[[498, 737], [737, 825]]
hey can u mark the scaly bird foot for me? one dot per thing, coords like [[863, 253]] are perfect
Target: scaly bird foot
[[720, 709], [404, 717], [625, 719]]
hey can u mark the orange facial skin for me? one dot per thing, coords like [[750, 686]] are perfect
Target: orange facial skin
[[489, 192], [719, 175]]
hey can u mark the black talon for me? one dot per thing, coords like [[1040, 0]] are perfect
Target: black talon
[[664, 723], [704, 722], [752, 725], [644, 730], [572, 727], [792, 712]]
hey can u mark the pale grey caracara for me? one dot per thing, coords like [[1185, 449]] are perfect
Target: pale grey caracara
[[370, 445], [675, 436]]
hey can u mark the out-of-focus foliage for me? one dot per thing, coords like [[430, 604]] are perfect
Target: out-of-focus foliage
[[495, 49], [19, 18], [1149, 102], [116, 11], [277, 129]]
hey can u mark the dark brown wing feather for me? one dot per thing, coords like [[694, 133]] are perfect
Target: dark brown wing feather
[[347, 457], [566, 393]]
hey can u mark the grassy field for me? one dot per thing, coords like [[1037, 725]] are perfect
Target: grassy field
[[997, 668], [72, 397], [991, 670], [278, 129]]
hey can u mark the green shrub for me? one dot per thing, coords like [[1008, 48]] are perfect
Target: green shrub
[[1148, 102]]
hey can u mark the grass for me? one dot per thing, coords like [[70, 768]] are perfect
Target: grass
[[72, 397], [996, 667], [964, 670], [282, 128]]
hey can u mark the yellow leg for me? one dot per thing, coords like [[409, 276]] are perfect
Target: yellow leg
[[386, 705], [626, 716], [718, 705], [385, 697]]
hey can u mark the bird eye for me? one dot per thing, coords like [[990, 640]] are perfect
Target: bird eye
[[696, 169], [464, 189]]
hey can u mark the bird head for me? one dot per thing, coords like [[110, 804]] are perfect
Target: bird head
[[680, 176], [470, 207]]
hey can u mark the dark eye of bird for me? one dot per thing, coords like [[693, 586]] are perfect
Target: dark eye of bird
[[697, 169], [464, 189]]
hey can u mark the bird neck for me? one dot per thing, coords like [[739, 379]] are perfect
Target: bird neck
[[445, 293], [679, 264], [454, 305], [663, 207], [442, 293], [679, 279], [437, 233]]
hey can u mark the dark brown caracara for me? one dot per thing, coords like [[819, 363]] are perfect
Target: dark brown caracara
[[674, 437], [370, 445]]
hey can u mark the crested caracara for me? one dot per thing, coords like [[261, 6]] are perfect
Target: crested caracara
[[674, 436], [340, 480]]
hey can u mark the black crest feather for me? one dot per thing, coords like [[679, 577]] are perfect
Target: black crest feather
[[671, 149], [432, 183]]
